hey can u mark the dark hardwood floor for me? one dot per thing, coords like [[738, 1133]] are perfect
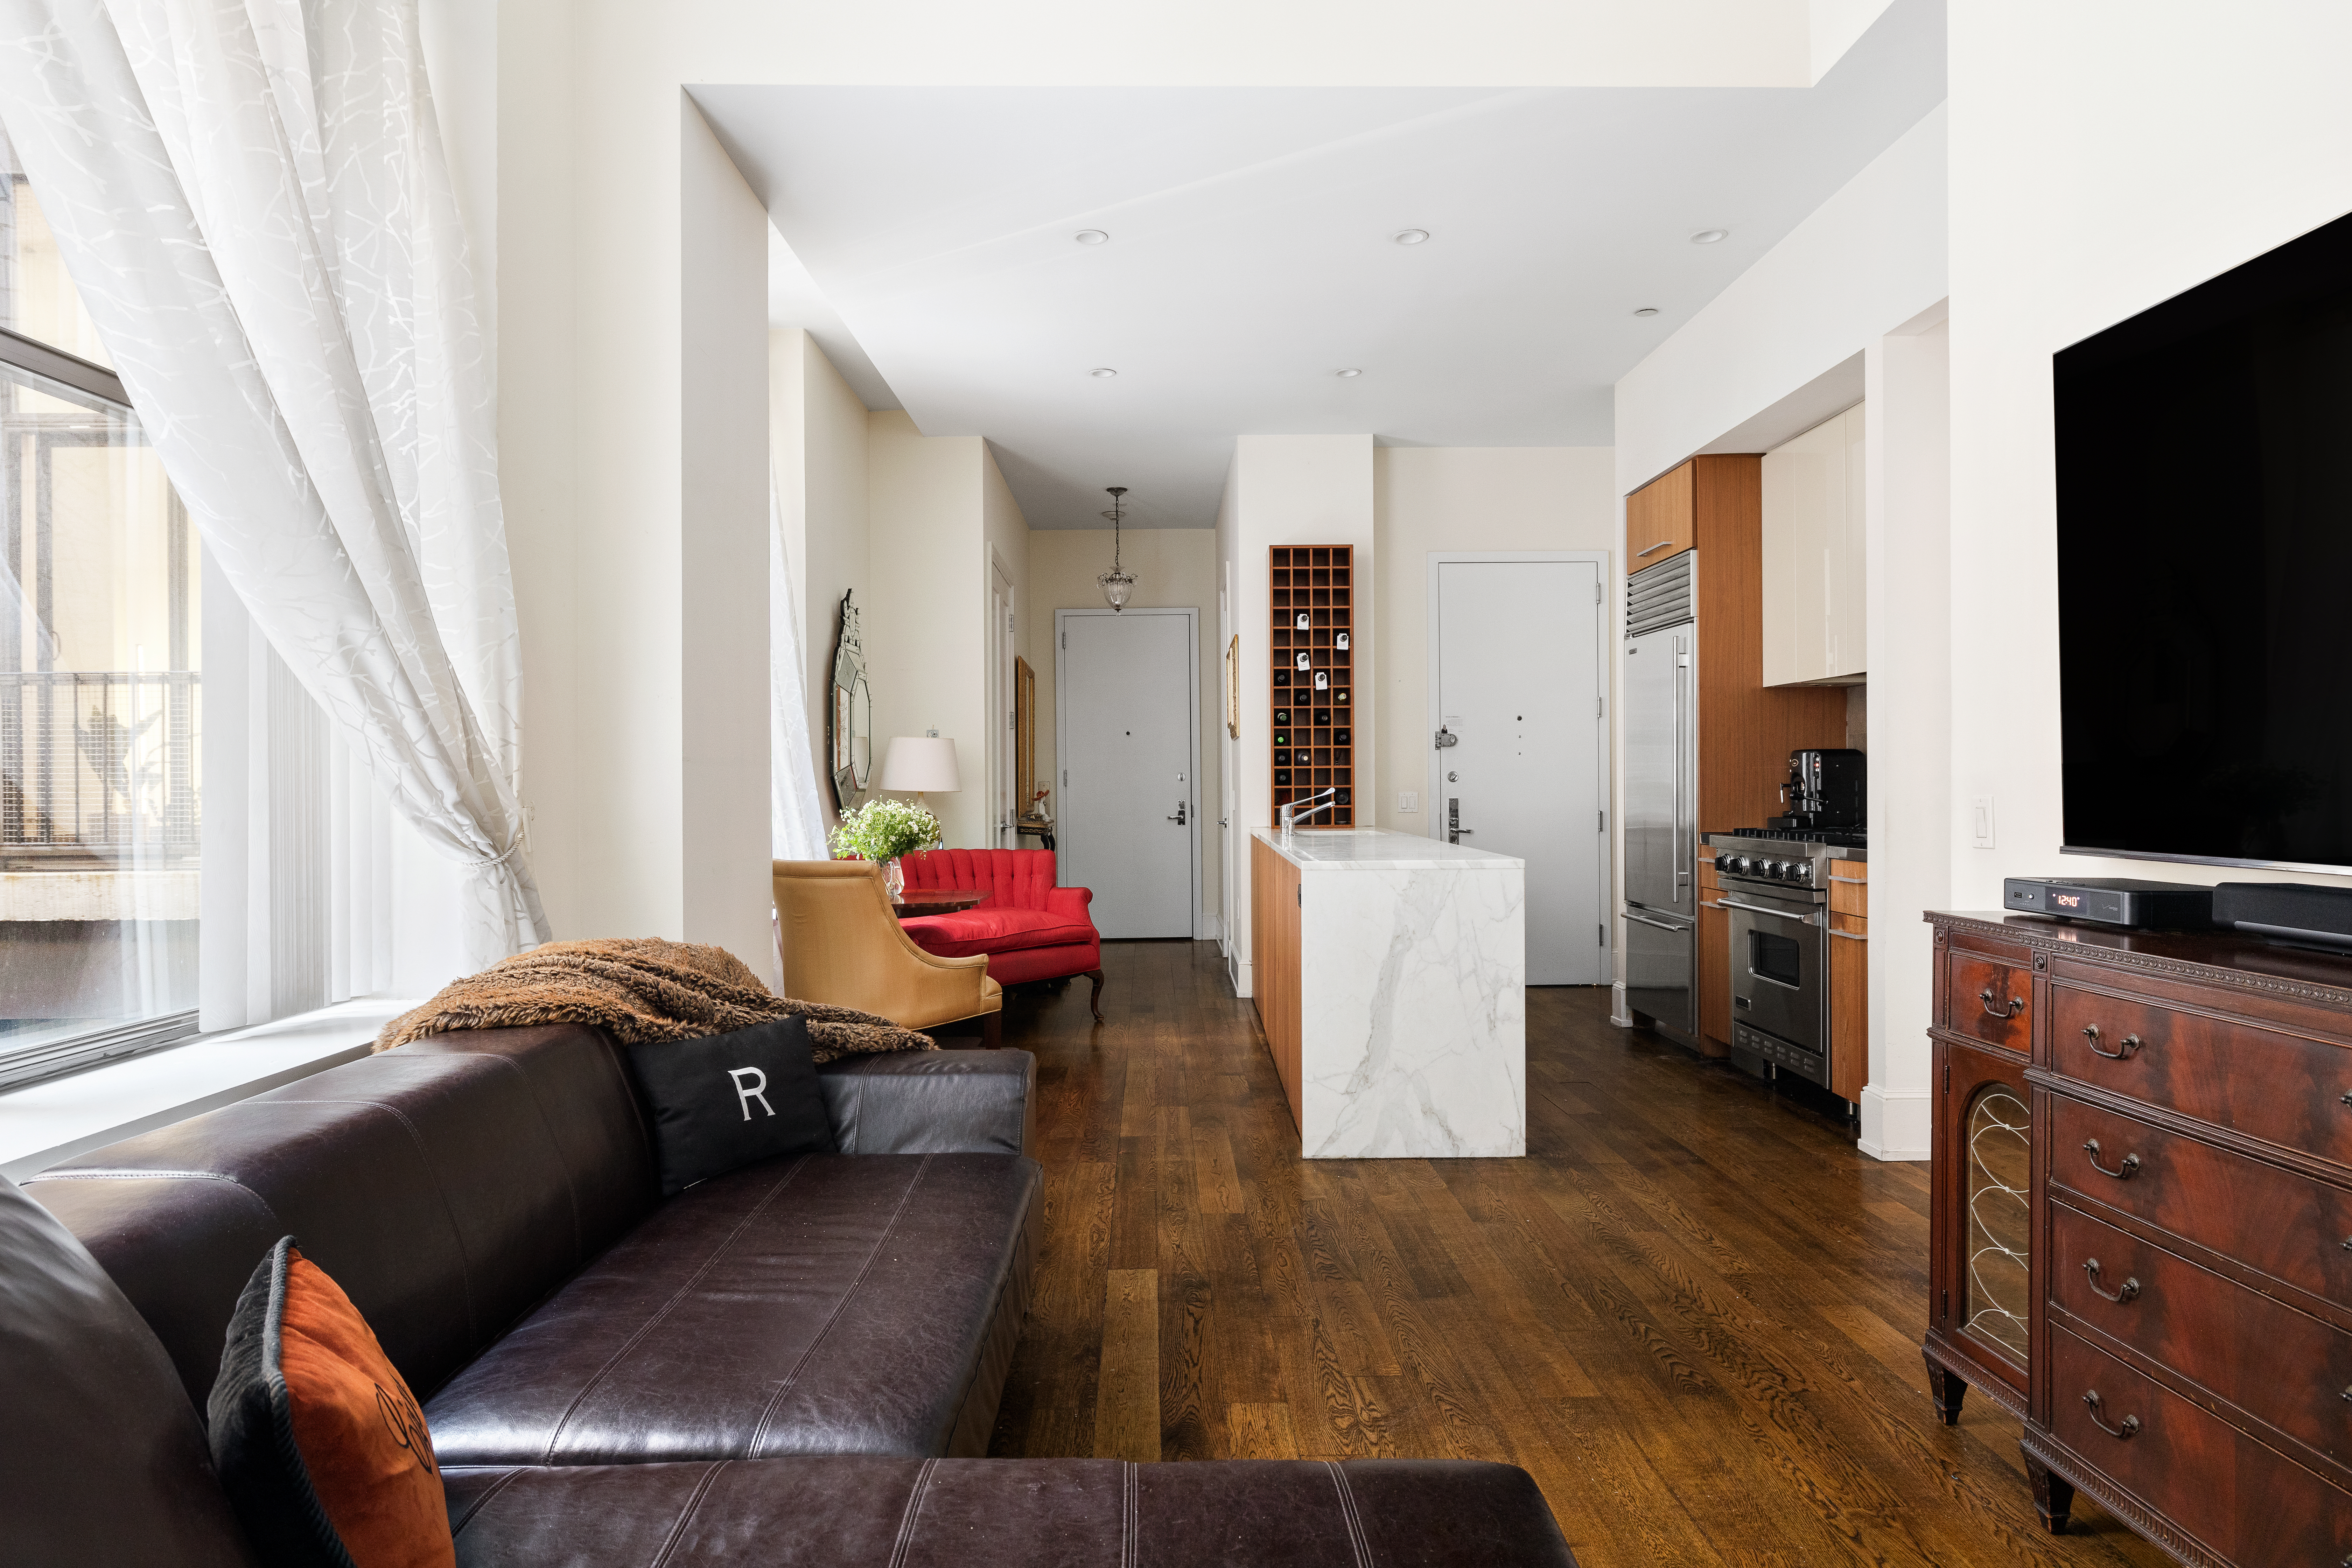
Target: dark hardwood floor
[[1693, 1312]]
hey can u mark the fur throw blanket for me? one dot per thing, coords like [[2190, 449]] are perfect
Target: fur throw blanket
[[638, 989]]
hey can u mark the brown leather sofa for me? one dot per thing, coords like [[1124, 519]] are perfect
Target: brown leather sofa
[[780, 1366]]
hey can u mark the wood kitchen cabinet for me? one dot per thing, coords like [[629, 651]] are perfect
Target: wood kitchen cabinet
[[1815, 620], [1711, 505], [1849, 918], [1658, 518]]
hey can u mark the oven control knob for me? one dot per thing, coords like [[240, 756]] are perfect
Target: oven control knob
[[1800, 870], [1742, 865], [1723, 862]]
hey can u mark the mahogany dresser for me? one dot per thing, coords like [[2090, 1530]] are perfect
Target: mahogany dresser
[[2142, 1240]]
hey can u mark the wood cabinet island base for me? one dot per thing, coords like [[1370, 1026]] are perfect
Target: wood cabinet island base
[[1391, 984]]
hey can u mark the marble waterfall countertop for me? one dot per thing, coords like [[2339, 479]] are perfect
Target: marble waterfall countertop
[[1411, 995], [1377, 848]]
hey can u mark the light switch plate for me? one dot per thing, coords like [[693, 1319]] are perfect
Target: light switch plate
[[1408, 800], [1980, 822]]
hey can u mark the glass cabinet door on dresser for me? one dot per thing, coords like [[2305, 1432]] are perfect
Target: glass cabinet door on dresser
[[1980, 1290]]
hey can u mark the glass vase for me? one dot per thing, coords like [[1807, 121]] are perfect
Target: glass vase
[[894, 876]]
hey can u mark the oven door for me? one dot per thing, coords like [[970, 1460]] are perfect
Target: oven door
[[1779, 966]]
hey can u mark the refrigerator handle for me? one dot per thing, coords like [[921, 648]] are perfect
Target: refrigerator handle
[[1682, 742]]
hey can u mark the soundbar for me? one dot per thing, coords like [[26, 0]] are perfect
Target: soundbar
[[2289, 911], [2114, 901]]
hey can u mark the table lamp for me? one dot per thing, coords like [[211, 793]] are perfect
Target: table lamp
[[921, 764]]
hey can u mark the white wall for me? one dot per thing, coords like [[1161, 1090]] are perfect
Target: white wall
[[2130, 153], [817, 446], [1432, 499], [721, 696], [1767, 358], [1005, 546], [1175, 568], [1867, 260], [1294, 490], [1906, 522]]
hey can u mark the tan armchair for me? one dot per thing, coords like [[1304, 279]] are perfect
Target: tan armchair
[[842, 944]]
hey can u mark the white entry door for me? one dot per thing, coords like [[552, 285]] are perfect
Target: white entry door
[[1517, 683], [1127, 688]]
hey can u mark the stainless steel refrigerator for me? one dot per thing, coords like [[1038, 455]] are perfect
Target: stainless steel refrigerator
[[1660, 809]]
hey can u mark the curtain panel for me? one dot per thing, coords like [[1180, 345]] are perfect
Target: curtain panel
[[252, 198]]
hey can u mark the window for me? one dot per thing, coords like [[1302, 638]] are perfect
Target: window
[[100, 695]]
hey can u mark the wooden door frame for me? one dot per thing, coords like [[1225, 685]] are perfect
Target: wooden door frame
[[1599, 559], [1191, 618]]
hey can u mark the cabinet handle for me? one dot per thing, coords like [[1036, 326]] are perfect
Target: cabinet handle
[[2122, 1293], [1850, 935], [1851, 881], [2124, 1048], [1659, 545], [2123, 1172], [2016, 1005], [2129, 1428]]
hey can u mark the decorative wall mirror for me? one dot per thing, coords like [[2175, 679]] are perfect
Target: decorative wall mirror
[[1024, 738], [849, 721]]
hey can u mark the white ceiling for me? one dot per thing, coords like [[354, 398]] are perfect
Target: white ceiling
[[927, 246]]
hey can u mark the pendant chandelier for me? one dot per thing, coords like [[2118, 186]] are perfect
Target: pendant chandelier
[[1116, 584]]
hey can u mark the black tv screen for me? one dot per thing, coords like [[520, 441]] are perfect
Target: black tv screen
[[2205, 569]]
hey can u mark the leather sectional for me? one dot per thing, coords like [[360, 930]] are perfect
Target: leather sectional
[[796, 1363]]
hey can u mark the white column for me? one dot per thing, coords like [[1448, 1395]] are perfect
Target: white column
[[1907, 516]]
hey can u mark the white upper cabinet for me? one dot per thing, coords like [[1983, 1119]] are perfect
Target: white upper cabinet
[[1813, 582]]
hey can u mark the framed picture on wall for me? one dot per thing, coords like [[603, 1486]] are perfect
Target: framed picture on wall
[[1234, 688]]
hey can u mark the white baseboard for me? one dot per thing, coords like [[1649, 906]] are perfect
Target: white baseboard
[[1619, 1013], [1241, 970], [1896, 1124], [1206, 928]]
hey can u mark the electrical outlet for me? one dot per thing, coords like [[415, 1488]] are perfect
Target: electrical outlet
[[1980, 822], [1408, 800]]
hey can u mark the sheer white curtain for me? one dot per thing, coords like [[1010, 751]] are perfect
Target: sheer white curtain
[[796, 811], [252, 198]]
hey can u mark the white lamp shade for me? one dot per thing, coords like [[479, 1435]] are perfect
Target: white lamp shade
[[924, 764]]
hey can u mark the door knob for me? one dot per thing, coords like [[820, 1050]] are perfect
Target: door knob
[[1179, 818]]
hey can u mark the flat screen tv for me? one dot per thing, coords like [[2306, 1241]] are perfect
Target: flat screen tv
[[2205, 570]]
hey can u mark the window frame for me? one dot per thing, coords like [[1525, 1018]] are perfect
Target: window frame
[[28, 1065]]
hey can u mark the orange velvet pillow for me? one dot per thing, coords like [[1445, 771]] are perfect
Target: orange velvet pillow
[[321, 1445]]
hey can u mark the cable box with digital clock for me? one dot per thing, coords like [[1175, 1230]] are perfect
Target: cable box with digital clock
[[2111, 901]]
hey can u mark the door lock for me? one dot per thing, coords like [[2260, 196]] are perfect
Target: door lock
[[1179, 818], [1454, 828], [1445, 738]]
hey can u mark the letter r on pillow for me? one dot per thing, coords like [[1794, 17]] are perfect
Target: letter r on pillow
[[745, 1093]]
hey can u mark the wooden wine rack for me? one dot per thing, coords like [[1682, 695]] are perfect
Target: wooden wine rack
[[1314, 727]]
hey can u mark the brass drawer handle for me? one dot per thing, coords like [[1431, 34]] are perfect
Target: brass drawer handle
[[2124, 1047], [2122, 1293], [2122, 1172], [2016, 1005], [2129, 1428]]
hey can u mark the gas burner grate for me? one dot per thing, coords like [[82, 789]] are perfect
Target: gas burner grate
[[1834, 838]]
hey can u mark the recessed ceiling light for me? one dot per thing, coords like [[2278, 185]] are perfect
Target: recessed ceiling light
[[1709, 235], [1091, 236], [1647, 310], [1349, 374], [1102, 373], [1411, 235]]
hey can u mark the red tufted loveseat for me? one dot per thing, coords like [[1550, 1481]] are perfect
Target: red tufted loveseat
[[1028, 927]]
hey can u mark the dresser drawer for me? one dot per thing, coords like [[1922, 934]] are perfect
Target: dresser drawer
[[1989, 998], [2288, 1090], [2287, 1225], [2242, 1500], [2278, 1365]]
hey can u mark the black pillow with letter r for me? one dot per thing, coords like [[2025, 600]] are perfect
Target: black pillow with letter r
[[725, 1101]]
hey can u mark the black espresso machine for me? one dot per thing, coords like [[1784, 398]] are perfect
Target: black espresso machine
[[1825, 790]]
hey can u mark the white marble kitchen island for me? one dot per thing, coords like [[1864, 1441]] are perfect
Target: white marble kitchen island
[[1391, 981]]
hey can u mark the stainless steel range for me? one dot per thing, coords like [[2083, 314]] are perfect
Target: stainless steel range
[[1776, 890]]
